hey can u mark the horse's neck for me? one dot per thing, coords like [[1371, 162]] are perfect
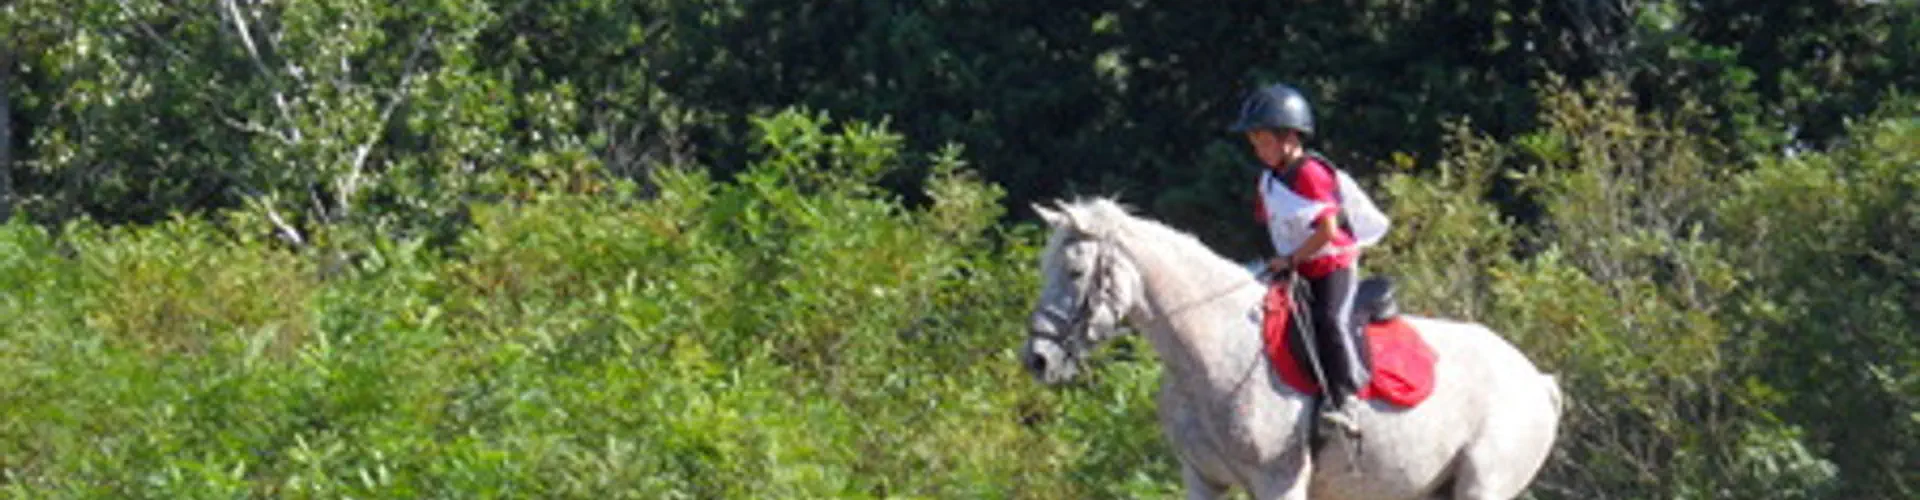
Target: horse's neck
[[1195, 307]]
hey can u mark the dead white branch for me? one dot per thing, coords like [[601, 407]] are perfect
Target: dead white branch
[[269, 204], [239, 20], [253, 127], [286, 230], [356, 171], [6, 131]]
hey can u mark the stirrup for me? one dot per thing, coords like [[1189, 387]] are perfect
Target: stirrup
[[1341, 421], [1331, 419]]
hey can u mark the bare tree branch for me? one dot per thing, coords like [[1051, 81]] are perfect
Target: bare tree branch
[[351, 184], [267, 204], [246, 39], [286, 230], [250, 126], [6, 132]]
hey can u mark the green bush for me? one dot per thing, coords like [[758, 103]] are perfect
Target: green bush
[[790, 332], [1835, 294], [1724, 328], [1631, 286]]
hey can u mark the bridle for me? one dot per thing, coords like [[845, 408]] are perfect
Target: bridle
[[1081, 319]]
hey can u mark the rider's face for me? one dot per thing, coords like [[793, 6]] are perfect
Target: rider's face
[[1275, 148]]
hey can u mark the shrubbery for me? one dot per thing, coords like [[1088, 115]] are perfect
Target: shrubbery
[[1724, 329], [1708, 317], [786, 333]]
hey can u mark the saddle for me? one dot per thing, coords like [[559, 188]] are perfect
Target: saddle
[[1372, 304], [1399, 361]]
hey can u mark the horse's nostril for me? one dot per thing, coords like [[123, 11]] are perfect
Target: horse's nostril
[[1036, 362]]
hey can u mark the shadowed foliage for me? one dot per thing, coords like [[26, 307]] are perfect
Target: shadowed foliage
[[742, 248]]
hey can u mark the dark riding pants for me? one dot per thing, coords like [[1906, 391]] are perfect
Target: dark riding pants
[[1332, 306]]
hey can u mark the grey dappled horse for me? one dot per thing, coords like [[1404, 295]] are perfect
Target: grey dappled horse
[[1483, 433]]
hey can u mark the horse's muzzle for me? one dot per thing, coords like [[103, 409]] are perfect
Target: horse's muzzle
[[1036, 363], [1047, 361]]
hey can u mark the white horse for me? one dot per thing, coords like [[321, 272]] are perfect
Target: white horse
[[1483, 433]]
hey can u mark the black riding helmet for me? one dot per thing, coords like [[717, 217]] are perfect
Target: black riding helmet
[[1275, 106]]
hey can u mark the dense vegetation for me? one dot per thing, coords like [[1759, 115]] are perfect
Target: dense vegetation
[[676, 248]]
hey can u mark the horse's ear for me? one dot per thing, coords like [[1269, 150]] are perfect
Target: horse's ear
[[1053, 217]]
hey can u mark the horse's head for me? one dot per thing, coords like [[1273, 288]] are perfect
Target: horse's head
[[1087, 287]]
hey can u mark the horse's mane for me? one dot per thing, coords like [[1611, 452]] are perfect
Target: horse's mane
[[1104, 217]]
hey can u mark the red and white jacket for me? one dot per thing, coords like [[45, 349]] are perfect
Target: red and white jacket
[[1292, 210]]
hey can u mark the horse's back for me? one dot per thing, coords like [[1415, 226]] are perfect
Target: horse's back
[[1487, 423]]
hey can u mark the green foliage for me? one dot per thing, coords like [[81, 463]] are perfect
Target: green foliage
[[509, 248], [787, 333], [312, 114], [1819, 63], [402, 114], [1678, 297], [1837, 286], [1443, 236]]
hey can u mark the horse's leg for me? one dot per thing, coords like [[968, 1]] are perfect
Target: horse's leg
[[1520, 430], [1477, 480], [1198, 487], [1181, 428], [1284, 479]]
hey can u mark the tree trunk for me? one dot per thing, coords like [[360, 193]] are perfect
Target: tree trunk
[[6, 135]]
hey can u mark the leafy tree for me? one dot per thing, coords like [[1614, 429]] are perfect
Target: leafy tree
[[1836, 292], [497, 246], [6, 131], [311, 113], [1813, 64]]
